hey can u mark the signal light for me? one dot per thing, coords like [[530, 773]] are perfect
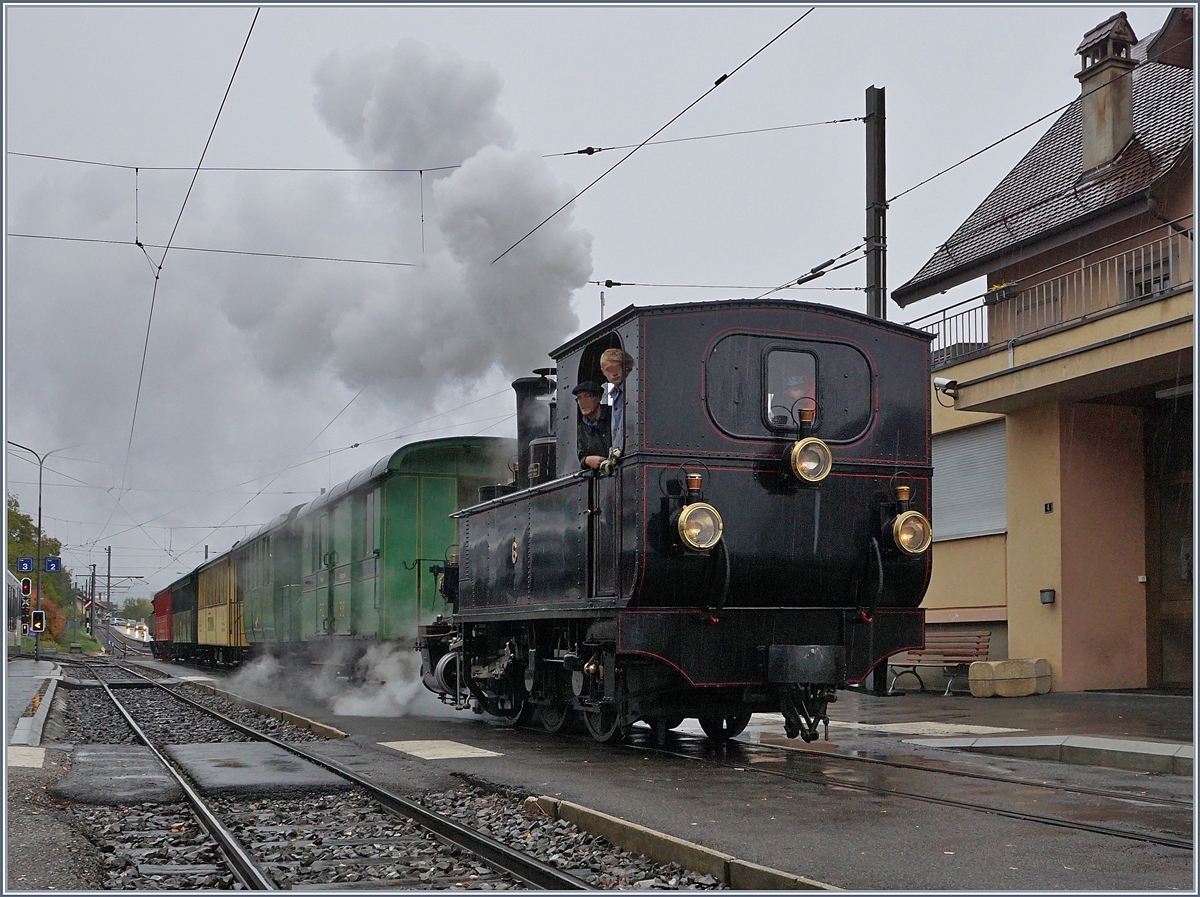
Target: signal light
[[26, 586], [38, 622]]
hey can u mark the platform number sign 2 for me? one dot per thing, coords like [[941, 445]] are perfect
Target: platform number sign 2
[[53, 565]]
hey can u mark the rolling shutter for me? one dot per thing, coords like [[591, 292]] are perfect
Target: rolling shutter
[[969, 482]]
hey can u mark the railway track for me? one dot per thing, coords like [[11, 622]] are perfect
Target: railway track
[[940, 790], [357, 835]]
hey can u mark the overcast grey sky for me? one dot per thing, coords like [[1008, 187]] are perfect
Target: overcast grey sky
[[250, 358]]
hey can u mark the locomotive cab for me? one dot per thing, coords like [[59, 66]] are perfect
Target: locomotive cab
[[762, 539]]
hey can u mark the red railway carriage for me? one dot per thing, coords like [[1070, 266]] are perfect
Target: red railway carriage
[[163, 630]]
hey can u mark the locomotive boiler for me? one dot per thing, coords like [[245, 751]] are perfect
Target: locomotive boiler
[[763, 539]]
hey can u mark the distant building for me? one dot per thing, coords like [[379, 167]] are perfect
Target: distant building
[[1063, 454]]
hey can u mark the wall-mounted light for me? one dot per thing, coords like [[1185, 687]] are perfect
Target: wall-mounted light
[[1047, 596]]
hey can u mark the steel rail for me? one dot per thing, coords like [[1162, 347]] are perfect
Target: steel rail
[[243, 865], [825, 781], [526, 869]]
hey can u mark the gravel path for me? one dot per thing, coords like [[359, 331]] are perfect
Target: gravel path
[[45, 850]]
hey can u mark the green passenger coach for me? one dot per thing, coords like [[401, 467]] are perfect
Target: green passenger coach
[[352, 567]]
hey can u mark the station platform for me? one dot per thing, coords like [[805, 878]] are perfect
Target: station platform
[[24, 712], [1138, 730]]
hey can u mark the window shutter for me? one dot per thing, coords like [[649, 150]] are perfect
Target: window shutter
[[969, 482]]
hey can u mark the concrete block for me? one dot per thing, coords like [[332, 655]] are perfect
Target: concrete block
[[636, 838], [1010, 678], [747, 876], [240, 768], [115, 774], [1183, 761]]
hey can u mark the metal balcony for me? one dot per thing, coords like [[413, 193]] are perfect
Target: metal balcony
[[1068, 294]]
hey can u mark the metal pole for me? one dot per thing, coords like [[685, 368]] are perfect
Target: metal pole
[[108, 587], [876, 239], [92, 595], [37, 636]]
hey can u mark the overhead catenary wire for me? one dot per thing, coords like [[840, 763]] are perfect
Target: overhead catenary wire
[[301, 169], [609, 284], [816, 271], [721, 80], [277, 255], [167, 248], [298, 454], [399, 434], [1023, 128]]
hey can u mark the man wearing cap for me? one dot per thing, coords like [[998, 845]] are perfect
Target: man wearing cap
[[595, 421]]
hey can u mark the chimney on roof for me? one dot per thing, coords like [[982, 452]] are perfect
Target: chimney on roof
[[1107, 90]]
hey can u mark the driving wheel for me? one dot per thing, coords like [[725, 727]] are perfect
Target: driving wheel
[[554, 717], [602, 722], [722, 728]]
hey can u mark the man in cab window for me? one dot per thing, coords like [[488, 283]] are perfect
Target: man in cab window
[[595, 422]]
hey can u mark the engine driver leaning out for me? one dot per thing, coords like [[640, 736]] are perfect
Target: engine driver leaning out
[[595, 436]]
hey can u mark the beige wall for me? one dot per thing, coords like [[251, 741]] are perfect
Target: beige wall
[[1103, 605], [969, 581], [1034, 558]]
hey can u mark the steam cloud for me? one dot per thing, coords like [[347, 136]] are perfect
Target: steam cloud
[[458, 316], [387, 684]]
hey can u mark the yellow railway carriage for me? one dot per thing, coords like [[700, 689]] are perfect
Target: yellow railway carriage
[[220, 636]]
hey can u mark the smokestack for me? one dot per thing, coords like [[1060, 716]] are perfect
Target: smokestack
[[1107, 87]]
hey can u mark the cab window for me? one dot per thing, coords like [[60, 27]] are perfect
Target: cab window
[[791, 386], [757, 384]]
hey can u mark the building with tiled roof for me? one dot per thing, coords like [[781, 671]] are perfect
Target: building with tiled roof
[[1050, 198], [1063, 421]]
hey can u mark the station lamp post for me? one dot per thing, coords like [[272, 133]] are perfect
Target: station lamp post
[[41, 459]]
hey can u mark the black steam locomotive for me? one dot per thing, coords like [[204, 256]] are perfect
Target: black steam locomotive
[[763, 540]]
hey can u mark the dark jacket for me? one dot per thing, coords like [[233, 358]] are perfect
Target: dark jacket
[[595, 437]]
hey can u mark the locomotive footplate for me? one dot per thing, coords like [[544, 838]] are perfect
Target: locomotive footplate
[[758, 645]]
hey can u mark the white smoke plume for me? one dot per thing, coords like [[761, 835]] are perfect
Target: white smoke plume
[[387, 683], [449, 322]]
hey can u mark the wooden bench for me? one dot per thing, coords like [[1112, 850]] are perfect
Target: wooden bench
[[954, 652]]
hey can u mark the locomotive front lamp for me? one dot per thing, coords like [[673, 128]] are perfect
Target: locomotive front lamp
[[912, 533], [699, 526], [809, 459]]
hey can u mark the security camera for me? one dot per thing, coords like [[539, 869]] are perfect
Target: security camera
[[945, 387]]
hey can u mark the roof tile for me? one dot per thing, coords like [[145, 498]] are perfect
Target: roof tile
[[1047, 189]]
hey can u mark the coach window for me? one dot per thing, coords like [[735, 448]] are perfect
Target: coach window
[[791, 387]]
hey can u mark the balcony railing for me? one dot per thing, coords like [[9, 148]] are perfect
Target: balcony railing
[[1034, 307]]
